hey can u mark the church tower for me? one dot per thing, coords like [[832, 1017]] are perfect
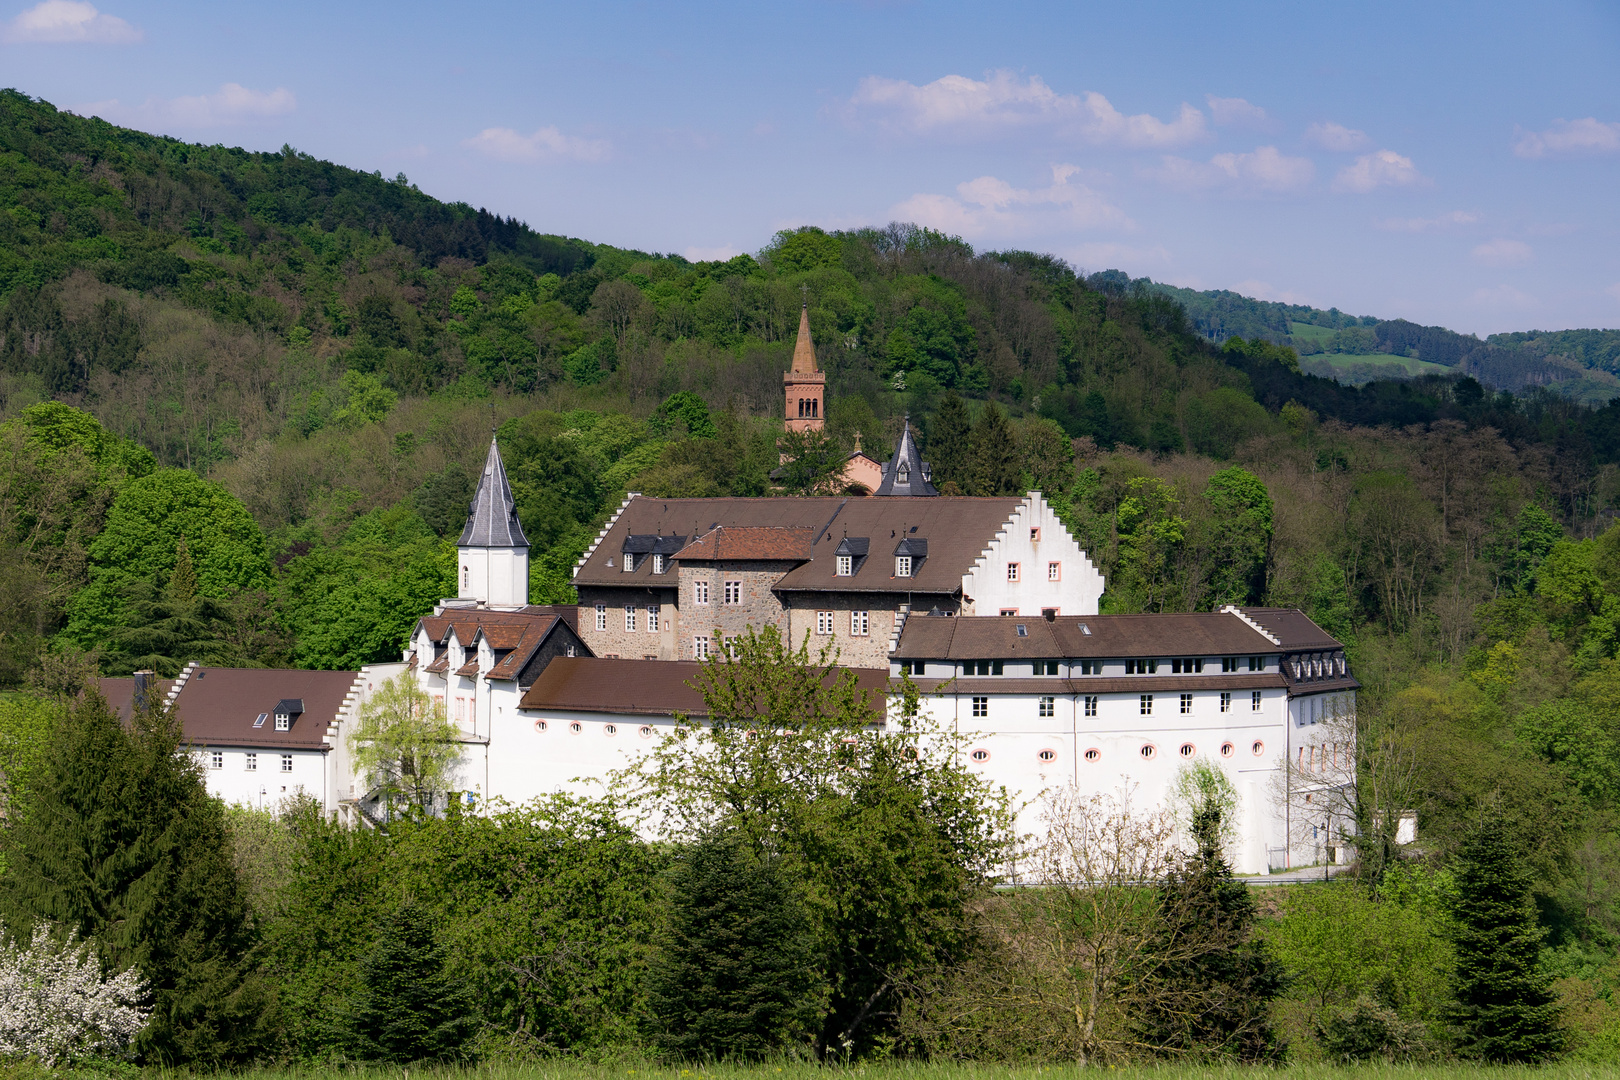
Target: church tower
[[493, 553], [805, 385]]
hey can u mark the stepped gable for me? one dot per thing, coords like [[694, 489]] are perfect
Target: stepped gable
[[234, 706], [906, 472], [492, 520]]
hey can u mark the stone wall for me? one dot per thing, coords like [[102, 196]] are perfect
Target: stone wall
[[615, 640]]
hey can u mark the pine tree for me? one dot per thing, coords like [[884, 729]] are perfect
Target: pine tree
[[997, 467], [950, 442], [408, 1007], [735, 976], [1504, 1006], [1211, 990], [122, 843]]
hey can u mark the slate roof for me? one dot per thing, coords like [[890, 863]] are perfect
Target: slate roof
[[912, 479], [492, 520], [957, 529], [644, 687]]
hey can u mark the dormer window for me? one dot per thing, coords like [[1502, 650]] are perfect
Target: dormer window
[[846, 565], [629, 562], [902, 566], [283, 722], [902, 475], [660, 563]]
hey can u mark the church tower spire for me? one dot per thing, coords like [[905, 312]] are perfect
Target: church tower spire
[[804, 384], [493, 552]]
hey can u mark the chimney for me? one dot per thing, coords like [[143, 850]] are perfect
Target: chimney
[[141, 684]]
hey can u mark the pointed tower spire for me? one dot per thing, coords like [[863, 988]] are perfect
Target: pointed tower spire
[[804, 351], [493, 552], [804, 385], [906, 473]]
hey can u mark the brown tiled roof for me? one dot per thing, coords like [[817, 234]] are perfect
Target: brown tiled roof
[[1128, 684], [217, 706], [1207, 633], [957, 530], [120, 693], [507, 636], [790, 544], [469, 669], [467, 621], [643, 687], [1292, 627], [439, 666]]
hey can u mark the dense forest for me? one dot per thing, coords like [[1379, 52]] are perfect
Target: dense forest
[[244, 396]]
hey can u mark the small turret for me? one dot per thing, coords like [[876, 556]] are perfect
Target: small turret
[[906, 473], [493, 552]]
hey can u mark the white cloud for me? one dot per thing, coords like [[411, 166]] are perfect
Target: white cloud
[[723, 253], [1504, 296], [504, 144], [1235, 111], [232, 103], [69, 22], [991, 205], [1418, 225], [1001, 101], [1569, 138], [1501, 252], [1264, 170], [1385, 168], [1337, 137]]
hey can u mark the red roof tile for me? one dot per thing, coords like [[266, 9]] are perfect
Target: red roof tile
[[644, 687], [787, 544]]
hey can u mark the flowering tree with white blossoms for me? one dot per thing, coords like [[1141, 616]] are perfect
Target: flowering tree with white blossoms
[[56, 1006]]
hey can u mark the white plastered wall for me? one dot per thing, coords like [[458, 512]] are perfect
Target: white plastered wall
[[987, 590], [498, 577]]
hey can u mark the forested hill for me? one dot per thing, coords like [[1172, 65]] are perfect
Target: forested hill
[[1578, 364]]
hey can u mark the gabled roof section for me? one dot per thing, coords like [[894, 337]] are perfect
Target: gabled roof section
[[218, 706], [906, 473], [492, 520], [804, 351], [788, 544], [649, 687]]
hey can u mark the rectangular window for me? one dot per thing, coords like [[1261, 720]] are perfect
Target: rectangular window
[[1141, 667], [1054, 571], [1257, 663], [286, 763], [1091, 704], [700, 592], [1229, 663], [652, 618], [1048, 705], [1035, 535], [250, 762], [1186, 665], [1091, 667], [729, 644], [1009, 611], [660, 564], [283, 721], [629, 562], [913, 667], [216, 760], [700, 648], [1254, 701], [981, 706], [733, 592], [1147, 704], [859, 623], [846, 565], [1012, 571], [601, 618], [1046, 667], [1226, 702], [824, 622], [902, 566], [630, 618], [1186, 704]]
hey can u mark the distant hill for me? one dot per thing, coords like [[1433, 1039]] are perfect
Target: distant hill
[[1578, 364]]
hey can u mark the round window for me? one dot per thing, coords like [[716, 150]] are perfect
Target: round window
[[1227, 749], [540, 726], [1093, 754], [1047, 755], [646, 731], [610, 729], [1188, 749], [980, 755], [1259, 748], [576, 727], [1149, 751]]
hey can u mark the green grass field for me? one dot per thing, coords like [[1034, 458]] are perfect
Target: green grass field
[[1346, 360], [906, 1071], [1305, 331]]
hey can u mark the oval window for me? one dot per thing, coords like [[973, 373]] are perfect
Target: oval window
[[1227, 749], [646, 731], [1259, 748], [980, 755], [1188, 749], [540, 726], [1149, 751], [1048, 755], [610, 729], [1093, 754], [576, 727]]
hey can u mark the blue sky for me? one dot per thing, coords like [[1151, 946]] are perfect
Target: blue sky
[[1455, 164]]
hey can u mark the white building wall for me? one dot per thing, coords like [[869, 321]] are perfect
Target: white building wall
[[1033, 538], [269, 781], [498, 577]]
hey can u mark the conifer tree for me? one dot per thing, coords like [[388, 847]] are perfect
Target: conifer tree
[[1504, 1007], [735, 976], [122, 844], [408, 1007], [1211, 990], [950, 442], [997, 468]]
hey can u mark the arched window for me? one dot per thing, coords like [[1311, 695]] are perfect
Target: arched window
[[815, 406]]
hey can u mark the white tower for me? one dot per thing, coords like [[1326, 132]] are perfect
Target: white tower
[[493, 552]]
